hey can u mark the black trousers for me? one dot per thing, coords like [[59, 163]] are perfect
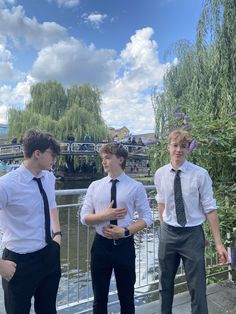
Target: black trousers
[[107, 255], [188, 244], [37, 274]]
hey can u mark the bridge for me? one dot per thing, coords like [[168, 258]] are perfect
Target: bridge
[[14, 151]]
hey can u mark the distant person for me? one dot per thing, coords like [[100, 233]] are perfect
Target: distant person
[[109, 205], [185, 199], [30, 264], [14, 140], [140, 141], [87, 138], [133, 141], [70, 137]]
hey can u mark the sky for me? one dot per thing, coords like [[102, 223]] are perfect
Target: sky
[[118, 46]]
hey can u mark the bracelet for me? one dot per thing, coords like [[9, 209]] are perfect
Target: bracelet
[[57, 233]]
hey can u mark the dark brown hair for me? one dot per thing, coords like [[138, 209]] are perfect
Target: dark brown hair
[[36, 140], [115, 149]]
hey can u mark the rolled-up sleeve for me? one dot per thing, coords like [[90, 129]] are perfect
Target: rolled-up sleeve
[[160, 198], [207, 199], [142, 205], [88, 207]]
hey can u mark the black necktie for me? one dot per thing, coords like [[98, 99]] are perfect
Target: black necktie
[[179, 203], [113, 198], [48, 237]]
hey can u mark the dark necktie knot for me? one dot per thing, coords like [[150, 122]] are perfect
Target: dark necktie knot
[[178, 172], [114, 181]]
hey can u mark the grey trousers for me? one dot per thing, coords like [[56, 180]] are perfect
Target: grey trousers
[[188, 244]]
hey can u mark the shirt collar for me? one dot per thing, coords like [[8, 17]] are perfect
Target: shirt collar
[[183, 168], [27, 174], [119, 178]]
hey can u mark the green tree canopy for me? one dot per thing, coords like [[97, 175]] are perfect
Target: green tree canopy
[[54, 109], [199, 94]]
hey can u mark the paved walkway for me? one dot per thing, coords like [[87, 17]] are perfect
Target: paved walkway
[[221, 300]]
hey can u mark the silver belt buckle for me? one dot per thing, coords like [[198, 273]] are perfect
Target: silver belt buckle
[[114, 242]]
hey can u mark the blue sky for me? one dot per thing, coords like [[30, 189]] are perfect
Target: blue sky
[[117, 45]]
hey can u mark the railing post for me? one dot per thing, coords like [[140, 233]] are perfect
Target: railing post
[[229, 264]]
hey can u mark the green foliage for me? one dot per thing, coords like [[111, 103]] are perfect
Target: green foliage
[[60, 112], [202, 84]]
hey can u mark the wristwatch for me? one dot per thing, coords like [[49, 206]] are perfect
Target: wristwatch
[[126, 233], [56, 233]]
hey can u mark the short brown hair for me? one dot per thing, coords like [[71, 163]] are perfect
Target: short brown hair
[[115, 149], [181, 135], [37, 140]]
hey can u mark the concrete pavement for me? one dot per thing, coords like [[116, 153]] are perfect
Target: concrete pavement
[[221, 300]]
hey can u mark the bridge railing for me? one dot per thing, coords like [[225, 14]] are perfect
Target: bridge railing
[[75, 287], [68, 148]]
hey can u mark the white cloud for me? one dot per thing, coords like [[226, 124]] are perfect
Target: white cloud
[[72, 62], [127, 101], [5, 54], [3, 113], [66, 3], [96, 19], [7, 71], [14, 97], [17, 26]]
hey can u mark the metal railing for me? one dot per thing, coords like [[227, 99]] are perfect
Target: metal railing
[[69, 148], [75, 289]]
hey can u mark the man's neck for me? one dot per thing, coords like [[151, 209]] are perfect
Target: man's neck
[[177, 165], [32, 167], [115, 174]]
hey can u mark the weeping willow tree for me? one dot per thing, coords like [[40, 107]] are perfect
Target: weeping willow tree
[[199, 92], [61, 112], [199, 95]]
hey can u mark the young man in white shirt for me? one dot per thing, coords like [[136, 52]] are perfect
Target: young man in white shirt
[[113, 218], [183, 209], [30, 265]]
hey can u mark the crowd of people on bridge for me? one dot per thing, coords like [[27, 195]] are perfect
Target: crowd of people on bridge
[[29, 220]]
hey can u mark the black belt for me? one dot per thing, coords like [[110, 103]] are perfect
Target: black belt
[[113, 241]]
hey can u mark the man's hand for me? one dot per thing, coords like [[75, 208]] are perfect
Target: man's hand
[[114, 213], [7, 269], [113, 232], [222, 253], [57, 239]]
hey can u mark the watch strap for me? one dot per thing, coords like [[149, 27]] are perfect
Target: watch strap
[[127, 232], [57, 233]]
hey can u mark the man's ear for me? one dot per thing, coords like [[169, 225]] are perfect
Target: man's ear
[[36, 154], [121, 160]]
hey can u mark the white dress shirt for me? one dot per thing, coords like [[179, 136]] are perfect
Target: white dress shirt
[[22, 209], [130, 194], [196, 189]]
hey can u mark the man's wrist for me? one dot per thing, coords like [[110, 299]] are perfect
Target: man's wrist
[[126, 232], [54, 234]]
